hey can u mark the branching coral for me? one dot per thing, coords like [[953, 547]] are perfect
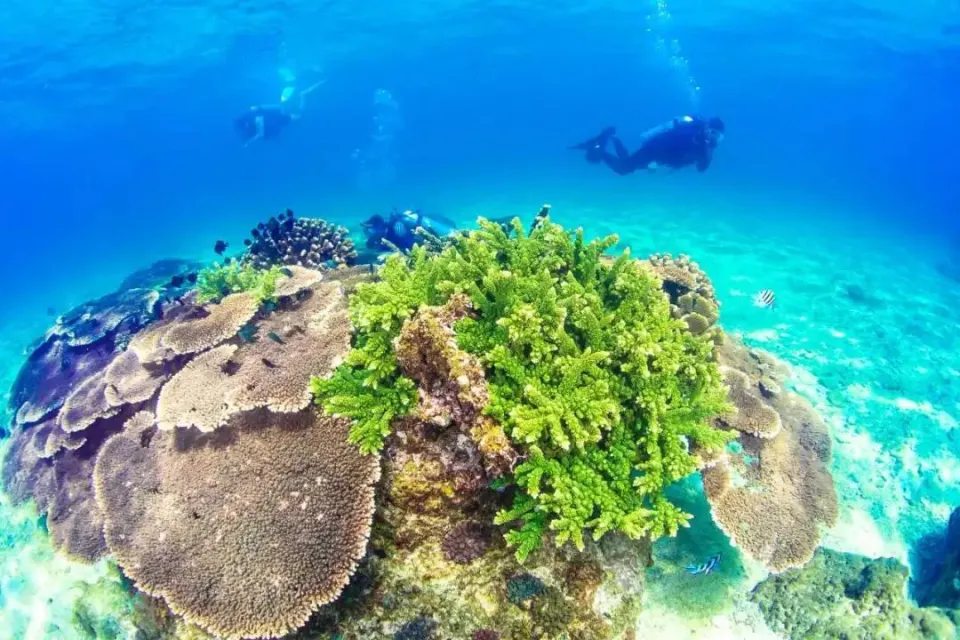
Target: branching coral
[[590, 376], [306, 242], [233, 276]]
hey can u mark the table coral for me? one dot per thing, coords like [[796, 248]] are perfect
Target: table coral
[[239, 531], [299, 339], [771, 497], [303, 331]]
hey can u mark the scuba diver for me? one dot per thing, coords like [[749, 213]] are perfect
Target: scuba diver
[[399, 228], [267, 121], [679, 143]]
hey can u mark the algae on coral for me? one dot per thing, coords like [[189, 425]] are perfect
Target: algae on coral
[[842, 596]]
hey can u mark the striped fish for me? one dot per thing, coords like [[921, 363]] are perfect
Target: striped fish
[[706, 568], [765, 298]]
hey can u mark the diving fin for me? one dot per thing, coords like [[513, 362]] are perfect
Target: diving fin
[[596, 142]]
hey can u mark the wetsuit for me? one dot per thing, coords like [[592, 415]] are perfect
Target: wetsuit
[[679, 143], [274, 119]]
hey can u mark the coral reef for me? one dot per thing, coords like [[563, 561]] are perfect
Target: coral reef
[[79, 345], [276, 484], [436, 559], [841, 596], [479, 396], [773, 492], [273, 370], [591, 379], [160, 274], [234, 276], [692, 296], [239, 531], [307, 242]]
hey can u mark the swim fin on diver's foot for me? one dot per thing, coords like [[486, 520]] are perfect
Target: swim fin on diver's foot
[[596, 145], [597, 141]]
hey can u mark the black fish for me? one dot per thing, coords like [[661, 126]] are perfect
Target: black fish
[[255, 233], [268, 364], [286, 272], [220, 247], [230, 367], [289, 213], [191, 278], [273, 336], [176, 281], [288, 224], [247, 242], [261, 226]]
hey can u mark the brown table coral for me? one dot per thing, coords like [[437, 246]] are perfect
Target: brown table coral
[[245, 531], [772, 497], [278, 490]]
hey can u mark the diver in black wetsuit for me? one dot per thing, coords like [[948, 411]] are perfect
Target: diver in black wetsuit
[[679, 143], [267, 121]]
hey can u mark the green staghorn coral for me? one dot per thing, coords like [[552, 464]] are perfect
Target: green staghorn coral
[[217, 281], [590, 376]]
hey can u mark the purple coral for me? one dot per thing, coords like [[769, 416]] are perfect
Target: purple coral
[[467, 541]]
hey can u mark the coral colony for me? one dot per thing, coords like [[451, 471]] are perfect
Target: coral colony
[[466, 440]]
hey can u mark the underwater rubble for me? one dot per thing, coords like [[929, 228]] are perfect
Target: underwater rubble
[[472, 441]]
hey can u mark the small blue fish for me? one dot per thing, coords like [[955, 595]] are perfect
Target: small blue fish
[[706, 568]]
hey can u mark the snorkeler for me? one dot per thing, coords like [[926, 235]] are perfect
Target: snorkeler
[[679, 143], [267, 121]]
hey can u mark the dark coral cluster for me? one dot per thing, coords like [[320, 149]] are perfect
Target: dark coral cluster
[[306, 242], [244, 530]]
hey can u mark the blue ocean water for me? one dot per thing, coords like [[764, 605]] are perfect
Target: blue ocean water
[[836, 184]]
